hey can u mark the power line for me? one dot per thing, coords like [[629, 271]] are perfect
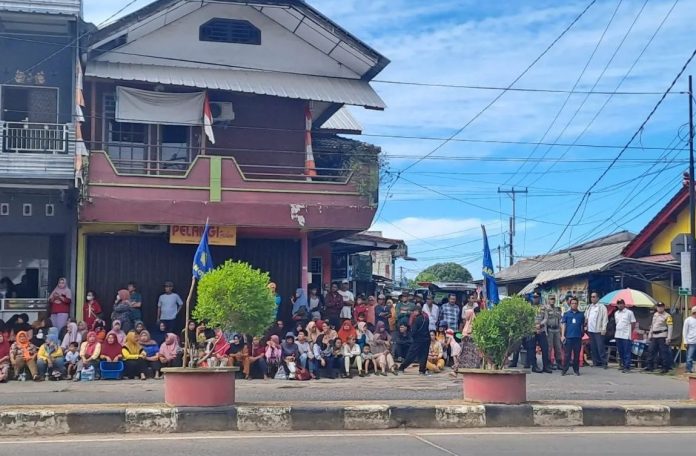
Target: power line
[[520, 76], [575, 85], [625, 76], [618, 156]]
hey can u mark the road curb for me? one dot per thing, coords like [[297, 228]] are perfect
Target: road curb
[[333, 417]]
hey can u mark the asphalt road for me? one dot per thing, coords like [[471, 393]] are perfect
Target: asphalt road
[[594, 384], [523, 442]]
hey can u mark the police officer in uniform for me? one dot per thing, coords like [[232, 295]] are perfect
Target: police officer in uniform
[[539, 338], [660, 335], [553, 329]]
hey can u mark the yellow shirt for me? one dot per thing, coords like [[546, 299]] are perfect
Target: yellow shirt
[[43, 355]]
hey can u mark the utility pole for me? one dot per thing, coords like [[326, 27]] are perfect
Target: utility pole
[[692, 197], [500, 259], [512, 192]]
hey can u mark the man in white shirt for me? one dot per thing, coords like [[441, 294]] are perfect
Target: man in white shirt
[[625, 324], [689, 337], [433, 312], [348, 300], [596, 318]]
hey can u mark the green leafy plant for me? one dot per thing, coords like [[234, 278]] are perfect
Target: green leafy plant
[[235, 297], [497, 332], [444, 272]]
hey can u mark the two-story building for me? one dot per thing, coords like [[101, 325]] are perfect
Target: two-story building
[[226, 111], [38, 210]]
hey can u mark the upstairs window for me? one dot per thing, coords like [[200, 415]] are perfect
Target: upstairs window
[[230, 31]]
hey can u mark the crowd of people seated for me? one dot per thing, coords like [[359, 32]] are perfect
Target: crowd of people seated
[[330, 334]]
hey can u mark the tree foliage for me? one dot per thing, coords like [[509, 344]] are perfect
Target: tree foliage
[[497, 332], [235, 297], [444, 272]]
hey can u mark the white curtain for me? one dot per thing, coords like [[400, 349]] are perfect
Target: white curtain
[[144, 106]]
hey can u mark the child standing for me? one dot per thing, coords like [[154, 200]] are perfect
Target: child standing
[[71, 359]]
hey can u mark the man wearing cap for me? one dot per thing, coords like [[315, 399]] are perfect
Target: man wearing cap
[[539, 338], [348, 300], [553, 330], [689, 337], [596, 320], [433, 312], [168, 307], [449, 312], [659, 336], [625, 324]]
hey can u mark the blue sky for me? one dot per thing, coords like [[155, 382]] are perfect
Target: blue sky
[[470, 42]]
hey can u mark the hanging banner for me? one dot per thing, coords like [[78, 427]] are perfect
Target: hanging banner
[[191, 234]]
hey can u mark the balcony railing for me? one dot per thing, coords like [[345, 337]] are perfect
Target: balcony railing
[[128, 159], [26, 137]]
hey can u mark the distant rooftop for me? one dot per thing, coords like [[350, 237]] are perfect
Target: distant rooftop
[[587, 256], [62, 7]]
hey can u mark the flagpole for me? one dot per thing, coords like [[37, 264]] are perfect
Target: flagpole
[[188, 310], [186, 320]]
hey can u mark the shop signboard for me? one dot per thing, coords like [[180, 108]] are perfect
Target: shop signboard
[[191, 234]]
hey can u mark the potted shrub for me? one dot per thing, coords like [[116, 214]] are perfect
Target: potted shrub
[[234, 297], [497, 334]]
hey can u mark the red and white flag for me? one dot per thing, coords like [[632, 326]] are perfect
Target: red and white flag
[[310, 166], [208, 120]]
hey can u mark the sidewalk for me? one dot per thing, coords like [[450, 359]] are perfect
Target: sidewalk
[[594, 384]]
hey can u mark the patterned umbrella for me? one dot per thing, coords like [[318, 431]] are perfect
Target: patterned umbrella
[[633, 298]]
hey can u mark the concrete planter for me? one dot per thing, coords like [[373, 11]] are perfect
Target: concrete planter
[[199, 387], [494, 386], [692, 387]]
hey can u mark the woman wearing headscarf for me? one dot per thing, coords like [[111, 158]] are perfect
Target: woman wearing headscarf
[[363, 335], [122, 310], [347, 331], [91, 310], [273, 355], [159, 334], [99, 329], [23, 354], [133, 357], [59, 303], [272, 288], [111, 349], [50, 358], [381, 348], [4, 356], [312, 331], [151, 348], [72, 335], [300, 307], [90, 351], [139, 327], [256, 359], [238, 353], [290, 352], [216, 351], [40, 330], [120, 334], [169, 351]]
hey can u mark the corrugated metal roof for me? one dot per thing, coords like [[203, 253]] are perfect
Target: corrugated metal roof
[[37, 166], [67, 7], [342, 122], [566, 260], [550, 276], [304, 87]]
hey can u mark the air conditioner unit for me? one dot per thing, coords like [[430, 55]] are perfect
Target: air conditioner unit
[[223, 111], [153, 229]]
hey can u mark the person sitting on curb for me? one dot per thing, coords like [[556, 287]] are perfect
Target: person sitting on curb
[[50, 359], [436, 361], [23, 354], [90, 350], [351, 356], [134, 357], [111, 350]]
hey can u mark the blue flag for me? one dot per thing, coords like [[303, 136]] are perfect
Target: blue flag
[[489, 273], [202, 261]]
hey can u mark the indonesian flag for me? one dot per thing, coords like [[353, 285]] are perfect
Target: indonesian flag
[[208, 120]]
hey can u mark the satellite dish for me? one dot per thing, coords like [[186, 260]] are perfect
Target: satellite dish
[[682, 242]]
